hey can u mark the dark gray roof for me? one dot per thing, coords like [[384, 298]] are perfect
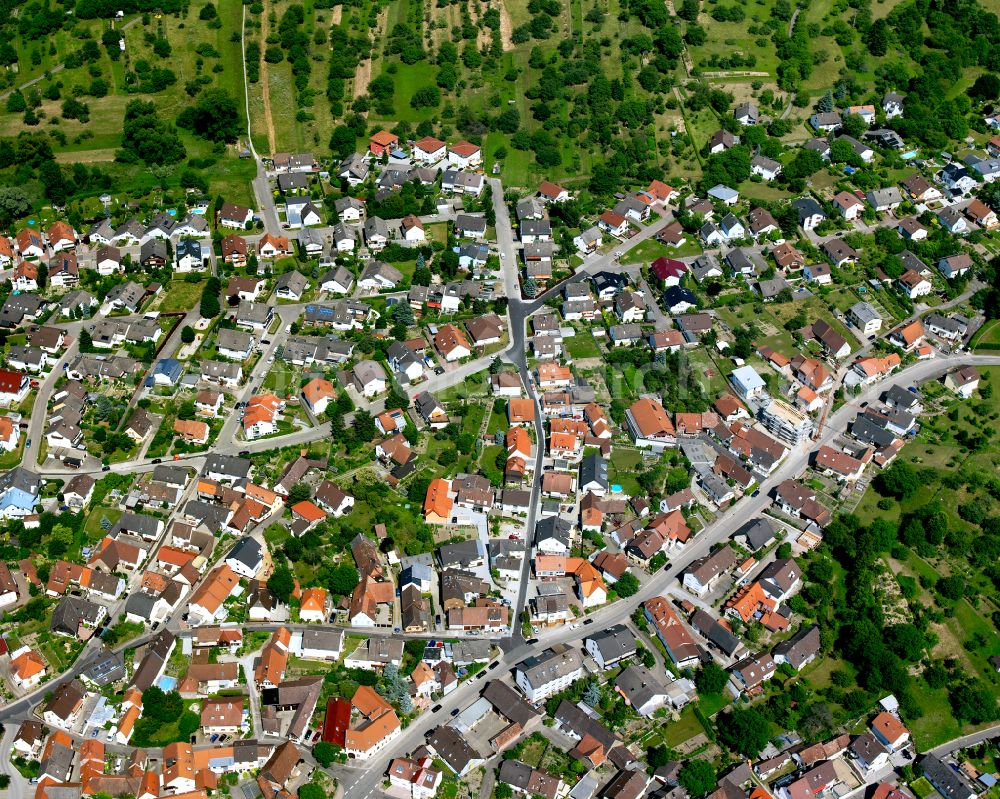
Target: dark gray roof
[[614, 643], [461, 553], [140, 604], [639, 685], [709, 626], [21, 479], [137, 523], [509, 703], [550, 664], [572, 718], [867, 432], [157, 652], [229, 465], [173, 475], [807, 206], [800, 647], [71, 612], [950, 782], [247, 551], [594, 468], [213, 516], [108, 668], [553, 527], [425, 403], [453, 749], [901, 398], [758, 532]]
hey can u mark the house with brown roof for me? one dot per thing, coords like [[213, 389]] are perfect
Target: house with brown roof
[[796, 499], [485, 330], [236, 216], [452, 343], [832, 462], [520, 411], [908, 336], [438, 502], [191, 431], [787, 257], [27, 668], [649, 425], [207, 601], [222, 716], [705, 573], [365, 724], [270, 668], [675, 636], [280, 769], [234, 250]]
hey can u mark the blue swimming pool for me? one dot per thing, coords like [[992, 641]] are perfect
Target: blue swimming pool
[[167, 683]]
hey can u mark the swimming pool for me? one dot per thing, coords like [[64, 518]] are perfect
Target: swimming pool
[[167, 683]]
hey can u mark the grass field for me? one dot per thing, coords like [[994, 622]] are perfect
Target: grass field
[[987, 337], [647, 252], [180, 296], [622, 469], [582, 345]]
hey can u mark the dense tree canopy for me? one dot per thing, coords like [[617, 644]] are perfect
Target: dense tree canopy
[[147, 138]]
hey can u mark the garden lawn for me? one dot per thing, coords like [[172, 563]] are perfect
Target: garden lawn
[[181, 296], [687, 727], [582, 345], [625, 463], [473, 419], [92, 527], [648, 251], [8, 460]]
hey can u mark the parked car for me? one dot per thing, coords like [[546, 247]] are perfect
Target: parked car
[[435, 709]]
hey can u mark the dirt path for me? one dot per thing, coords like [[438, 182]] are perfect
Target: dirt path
[[364, 74], [266, 87], [338, 15], [506, 27], [740, 74]]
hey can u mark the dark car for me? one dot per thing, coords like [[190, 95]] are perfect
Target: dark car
[[435, 709], [265, 341], [756, 493], [480, 675], [454, 712], [531, 641], [105, 468], [494, 665], [244, 453], [588, 621], [157, 460]]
